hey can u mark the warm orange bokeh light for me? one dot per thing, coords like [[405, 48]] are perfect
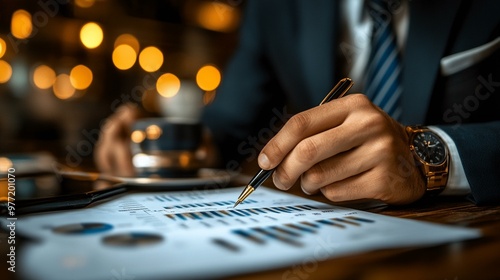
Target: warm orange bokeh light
[[62, 87], [5, 71], [185, 159], [44, 77], [128, 39], [208, 78], [3, 47], [81, 77], [217, 16], [84, 3], [137, 136], [21, 24], [5, 164], [151, 59], [153, 132], [168, 85], [91, 35], [124, 57]]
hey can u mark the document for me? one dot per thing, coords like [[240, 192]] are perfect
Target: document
[[199, 235]]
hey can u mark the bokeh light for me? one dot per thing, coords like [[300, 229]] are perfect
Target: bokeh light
[[44, 77], [168, 85], [80, 77], [137, 136], [5, 164], [124, 57], [128, 39], [151, 59], [3, 47], [91, 35], [84, 3], [185, 159], [153, 132], [62, 87], [208, 78], [21, 24], [217, 16], [5, 71]]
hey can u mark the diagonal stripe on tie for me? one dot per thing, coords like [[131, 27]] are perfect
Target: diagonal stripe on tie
[[383, 76], [383, 73]]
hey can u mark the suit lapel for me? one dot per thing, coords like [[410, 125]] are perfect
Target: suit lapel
[[317, 47], [428, 35]]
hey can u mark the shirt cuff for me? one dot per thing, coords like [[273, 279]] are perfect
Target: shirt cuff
[[457, 180]]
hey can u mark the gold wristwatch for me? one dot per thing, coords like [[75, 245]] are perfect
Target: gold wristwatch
[[431, 155]]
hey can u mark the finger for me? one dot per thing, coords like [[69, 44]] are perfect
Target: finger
[[314, 149], [360, 186], [373, 184], [122, 160], [101, 157], [307, 192], [127, 115], [301, 126], [104, 153], [340, 167]]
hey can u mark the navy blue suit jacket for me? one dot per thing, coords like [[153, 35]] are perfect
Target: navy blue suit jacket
[[289, 56]]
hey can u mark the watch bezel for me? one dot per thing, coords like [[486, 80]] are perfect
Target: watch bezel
[[441, 142]]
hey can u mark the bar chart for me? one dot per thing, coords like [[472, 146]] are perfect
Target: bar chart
[[249, 212], [289, 234], [210, 204]]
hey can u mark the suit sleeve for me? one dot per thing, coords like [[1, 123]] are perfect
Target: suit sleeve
[[479, 148], [247, 95]]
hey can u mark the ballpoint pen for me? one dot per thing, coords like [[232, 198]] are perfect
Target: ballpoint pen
[[339, 90]]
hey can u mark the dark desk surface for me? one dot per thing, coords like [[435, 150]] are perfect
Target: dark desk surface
[[474, 259]]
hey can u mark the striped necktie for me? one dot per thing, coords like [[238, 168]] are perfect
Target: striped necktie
[[383, 76]]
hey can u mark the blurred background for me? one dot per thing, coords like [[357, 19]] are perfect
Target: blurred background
[[65, 66]]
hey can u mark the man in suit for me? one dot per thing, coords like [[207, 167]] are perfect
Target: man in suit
[[290, 55]]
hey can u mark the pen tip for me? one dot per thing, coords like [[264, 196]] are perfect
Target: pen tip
[[246, 192], [236, 204]]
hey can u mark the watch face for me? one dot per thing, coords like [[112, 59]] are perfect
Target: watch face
[[429, 147]]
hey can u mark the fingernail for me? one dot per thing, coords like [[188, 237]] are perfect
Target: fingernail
[[277, 182], [264, 162], [304, 190]]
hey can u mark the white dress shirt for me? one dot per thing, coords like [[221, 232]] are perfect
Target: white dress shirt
[[355, 46]]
